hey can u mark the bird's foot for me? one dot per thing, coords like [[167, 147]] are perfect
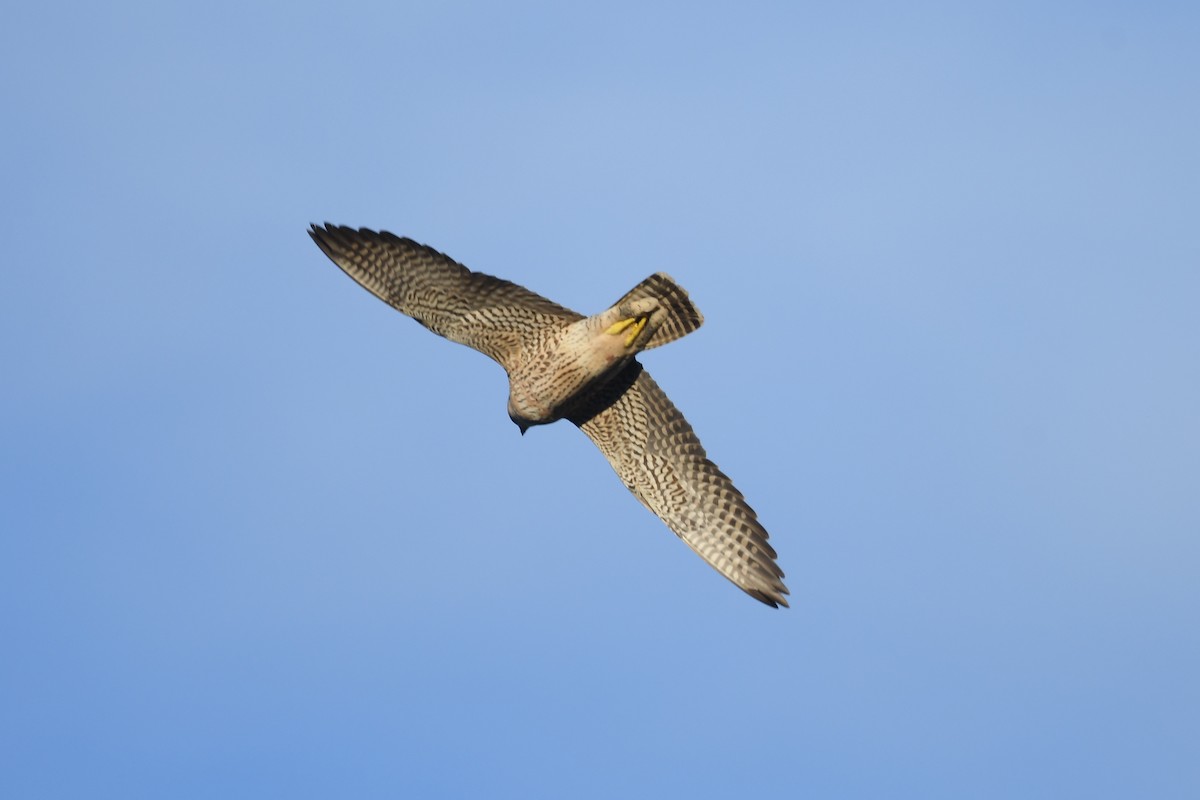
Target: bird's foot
[[634, 325]]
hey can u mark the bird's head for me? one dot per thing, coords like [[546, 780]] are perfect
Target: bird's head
[[519, 419], [521, 423]]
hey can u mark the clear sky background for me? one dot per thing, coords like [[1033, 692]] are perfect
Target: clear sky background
[[264, 537]]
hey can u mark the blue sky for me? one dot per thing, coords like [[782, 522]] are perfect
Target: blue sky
[[261, 536]]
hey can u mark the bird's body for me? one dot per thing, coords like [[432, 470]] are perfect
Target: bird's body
[[562, 365]]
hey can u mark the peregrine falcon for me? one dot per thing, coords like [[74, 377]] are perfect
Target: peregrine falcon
[[563, 365]]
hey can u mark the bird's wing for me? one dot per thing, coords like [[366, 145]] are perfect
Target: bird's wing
[[486, 313], [657, 455]]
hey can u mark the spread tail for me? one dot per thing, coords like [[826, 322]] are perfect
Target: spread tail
[[681, 316]]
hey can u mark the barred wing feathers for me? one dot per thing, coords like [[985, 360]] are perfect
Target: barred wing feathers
[[656, 454], [489, 314]]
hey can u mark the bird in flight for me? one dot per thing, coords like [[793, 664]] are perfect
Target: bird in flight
[[563, 365]]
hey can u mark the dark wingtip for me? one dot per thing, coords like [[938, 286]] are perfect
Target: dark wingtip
[[334, 239], [323, 238], [773, 597]]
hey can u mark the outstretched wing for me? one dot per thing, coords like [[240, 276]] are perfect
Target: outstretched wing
[[655, 452], [486, 313]]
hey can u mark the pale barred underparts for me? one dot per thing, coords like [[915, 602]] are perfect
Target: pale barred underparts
[[562, 365]]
